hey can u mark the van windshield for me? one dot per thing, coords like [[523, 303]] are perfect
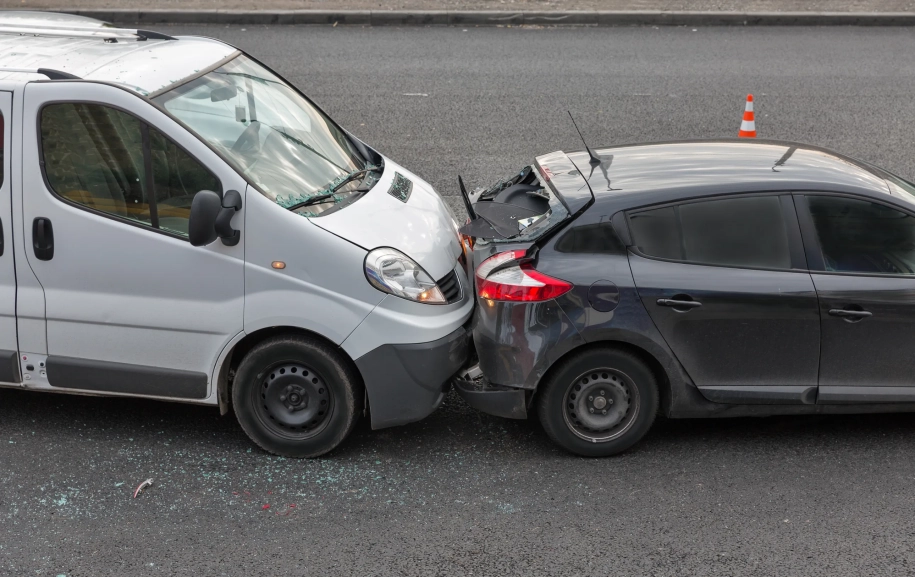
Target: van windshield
[[293, 153]]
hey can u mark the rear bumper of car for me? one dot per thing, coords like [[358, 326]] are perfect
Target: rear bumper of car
[[507, 402], [518, 342], [407, 382]]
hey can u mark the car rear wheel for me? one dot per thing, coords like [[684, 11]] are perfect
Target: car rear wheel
[[599, 402], [296, 397]]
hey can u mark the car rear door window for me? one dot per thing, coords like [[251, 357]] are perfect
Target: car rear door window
[[110, 161], [857, 236], [736, 232]]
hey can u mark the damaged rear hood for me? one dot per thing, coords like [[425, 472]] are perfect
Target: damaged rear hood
[[402, 212], [566, 180], [518, 209]]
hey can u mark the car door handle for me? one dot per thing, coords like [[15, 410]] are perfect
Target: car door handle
[[678, 304], [850, 314], [43, 238]]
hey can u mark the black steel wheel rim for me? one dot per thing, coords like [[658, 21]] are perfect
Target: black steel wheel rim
[[293, 400], [600, 405]]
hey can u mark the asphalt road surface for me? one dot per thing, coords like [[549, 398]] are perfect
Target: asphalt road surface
[[466, 494]]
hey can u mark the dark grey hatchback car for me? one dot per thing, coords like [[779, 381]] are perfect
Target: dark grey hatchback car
[[698, 279]]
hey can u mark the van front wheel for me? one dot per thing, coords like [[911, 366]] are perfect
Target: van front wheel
[[294, 396]]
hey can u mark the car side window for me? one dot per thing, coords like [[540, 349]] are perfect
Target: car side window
[[737, 232], [97, 156], [597, 238], [858, 236]]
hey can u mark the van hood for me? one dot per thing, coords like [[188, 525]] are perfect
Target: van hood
[[404, 212]]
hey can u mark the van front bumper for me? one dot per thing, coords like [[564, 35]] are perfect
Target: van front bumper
[[407, 382]]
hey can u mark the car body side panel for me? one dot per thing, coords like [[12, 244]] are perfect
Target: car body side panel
[[518, 342], [628, 322], [755, 328]]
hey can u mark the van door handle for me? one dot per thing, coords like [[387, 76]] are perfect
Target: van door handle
[[678, 304], [43, 238], [850, 314], [1, 238]]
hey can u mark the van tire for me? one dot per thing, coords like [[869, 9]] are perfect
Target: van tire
[[598, 402], [296, 396]]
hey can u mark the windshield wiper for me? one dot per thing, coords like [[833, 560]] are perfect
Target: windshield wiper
[[319, 198]]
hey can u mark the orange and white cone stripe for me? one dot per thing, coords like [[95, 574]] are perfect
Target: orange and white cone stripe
[[748, 126]]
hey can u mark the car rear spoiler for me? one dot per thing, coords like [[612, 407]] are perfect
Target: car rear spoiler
[[499, 220]]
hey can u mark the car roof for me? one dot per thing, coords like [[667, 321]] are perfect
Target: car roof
[[667, 171], [94, 50]]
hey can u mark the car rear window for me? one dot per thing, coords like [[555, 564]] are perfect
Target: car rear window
[[738, 232]]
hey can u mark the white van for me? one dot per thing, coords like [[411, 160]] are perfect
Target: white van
[[180, 223]]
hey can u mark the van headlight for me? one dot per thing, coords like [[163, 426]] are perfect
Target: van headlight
[[393, 272]]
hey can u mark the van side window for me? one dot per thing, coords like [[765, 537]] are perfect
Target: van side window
[[738, 232], [177, 178], [97, 157]]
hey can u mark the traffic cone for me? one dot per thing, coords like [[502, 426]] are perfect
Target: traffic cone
[[748, 126]]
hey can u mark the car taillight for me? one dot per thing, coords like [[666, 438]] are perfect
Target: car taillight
[[517, 283]]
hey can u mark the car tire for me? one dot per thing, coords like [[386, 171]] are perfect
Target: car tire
[[598, 402], [296, 396]]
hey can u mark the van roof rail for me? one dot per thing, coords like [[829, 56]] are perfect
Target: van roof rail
[[49, 72], [107, 34]]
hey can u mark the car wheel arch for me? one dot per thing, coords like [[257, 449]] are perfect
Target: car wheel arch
[[657, 368], [251, 340]]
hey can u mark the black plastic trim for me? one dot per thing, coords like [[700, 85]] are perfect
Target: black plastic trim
[[793, 229], [43, 238], [57, 74], [774, 395], [90, 375], [854, 395], [9, 367], [406, 382], [152, 35], [505, 402]]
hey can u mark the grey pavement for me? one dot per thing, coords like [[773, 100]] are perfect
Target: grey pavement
[[466, 494]]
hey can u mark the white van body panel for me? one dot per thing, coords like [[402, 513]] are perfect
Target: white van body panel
[[322, 288], [422, 228], [8, 340]]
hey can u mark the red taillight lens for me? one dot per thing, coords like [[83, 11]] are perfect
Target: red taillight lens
[[518, 283]]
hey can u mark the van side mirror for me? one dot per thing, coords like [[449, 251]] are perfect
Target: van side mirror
[[205, 209], [211, 218]]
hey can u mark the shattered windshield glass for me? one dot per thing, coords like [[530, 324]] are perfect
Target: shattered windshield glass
[[293, 153]]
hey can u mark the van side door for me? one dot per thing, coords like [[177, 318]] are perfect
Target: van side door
[[131, 307]]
